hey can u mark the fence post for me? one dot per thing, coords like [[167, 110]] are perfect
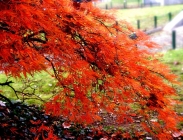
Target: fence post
[[111, 4], [170, 16], [143, 5], [155, 21], [139, 3], [138, 24], [151, 4], [124, 4], [106, 6], [173, 39]]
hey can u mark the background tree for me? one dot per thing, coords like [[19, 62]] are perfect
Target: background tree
[[100, 65]]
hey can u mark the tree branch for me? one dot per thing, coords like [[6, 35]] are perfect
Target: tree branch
[[7, 83], [8, 100]]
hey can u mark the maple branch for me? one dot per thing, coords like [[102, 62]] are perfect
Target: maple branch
[[37, 39], [5, 26], [7, 83], [85, 44], [29, 84], [53, 67], [159, 74], [8, 100], [56, 75], [104, 25], [82, 40]]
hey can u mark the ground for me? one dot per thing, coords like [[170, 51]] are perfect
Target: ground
[[164, 39]]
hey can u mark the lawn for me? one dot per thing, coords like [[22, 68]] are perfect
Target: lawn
[[146, 15], [35, 89], [174, 59], [119, 3]]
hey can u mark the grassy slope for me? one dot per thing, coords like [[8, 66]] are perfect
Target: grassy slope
[[146, 15], [174, 59], [143, 13], [39, 86]]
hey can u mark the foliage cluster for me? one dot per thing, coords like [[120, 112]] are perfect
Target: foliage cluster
[[100, 65]]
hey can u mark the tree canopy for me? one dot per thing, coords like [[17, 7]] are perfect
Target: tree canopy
[[100, 64]]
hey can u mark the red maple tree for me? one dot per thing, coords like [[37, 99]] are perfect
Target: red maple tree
[[101, 65]]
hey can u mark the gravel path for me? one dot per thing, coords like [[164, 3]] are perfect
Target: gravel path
[[164, 39]]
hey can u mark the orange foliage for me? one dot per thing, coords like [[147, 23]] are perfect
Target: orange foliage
[[108, 65]]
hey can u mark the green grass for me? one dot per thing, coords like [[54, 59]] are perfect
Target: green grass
[[143, 13], [173, 55], [174, 58], [128, 2], [146, 15], [41, 86], [120, 2]]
